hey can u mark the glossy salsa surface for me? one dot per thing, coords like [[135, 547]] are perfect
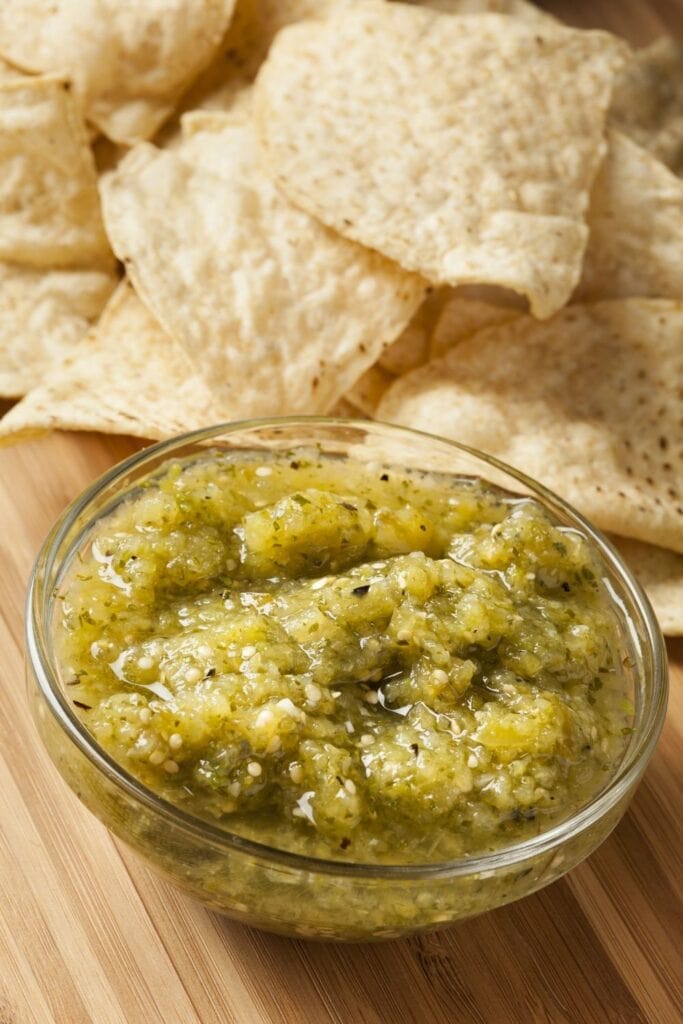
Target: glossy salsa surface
[[348, 661]]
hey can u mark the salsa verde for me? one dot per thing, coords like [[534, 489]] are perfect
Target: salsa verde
[[350, 661]]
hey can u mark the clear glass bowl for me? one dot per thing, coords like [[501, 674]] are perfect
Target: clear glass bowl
[[286, 892]]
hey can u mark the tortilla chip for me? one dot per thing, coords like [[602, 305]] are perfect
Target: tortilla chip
[[280, 314], [49, 205], [446, 317], [367, 392], [129, 60], [588, 403], [56, 268], [226, 84], [411, 348], [462, 148], [515, 8], [462, 316], [660, 572], [43, 315], [156, 396], [636, 227], [647, 103]]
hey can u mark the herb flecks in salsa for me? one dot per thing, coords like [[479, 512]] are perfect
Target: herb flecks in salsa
[[346, 661]]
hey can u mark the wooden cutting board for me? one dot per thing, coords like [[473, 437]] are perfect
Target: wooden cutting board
[[89, 936]]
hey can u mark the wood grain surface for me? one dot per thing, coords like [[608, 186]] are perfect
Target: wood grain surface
[[88, 935]]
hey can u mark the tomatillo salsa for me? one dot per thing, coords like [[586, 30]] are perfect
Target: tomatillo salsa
[[344, 660]]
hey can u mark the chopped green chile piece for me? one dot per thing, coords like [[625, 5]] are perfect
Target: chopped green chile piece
[[347, 661]]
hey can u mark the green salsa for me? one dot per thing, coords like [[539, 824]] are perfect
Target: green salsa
[[349, 661]]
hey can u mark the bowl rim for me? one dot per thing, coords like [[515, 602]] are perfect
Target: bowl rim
[[644, 738]]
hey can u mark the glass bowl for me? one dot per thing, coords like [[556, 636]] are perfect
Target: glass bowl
[[287, 892]]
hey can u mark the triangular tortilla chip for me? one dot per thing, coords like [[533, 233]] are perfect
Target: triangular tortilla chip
[[636, 227], [129, 60], [660, 572], [43, 315], [589, 403], [647, 104], [49, 205], [463, 148], [279, 313], [126, 377]]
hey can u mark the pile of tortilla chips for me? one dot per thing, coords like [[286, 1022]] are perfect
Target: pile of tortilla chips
[[458, 215]]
